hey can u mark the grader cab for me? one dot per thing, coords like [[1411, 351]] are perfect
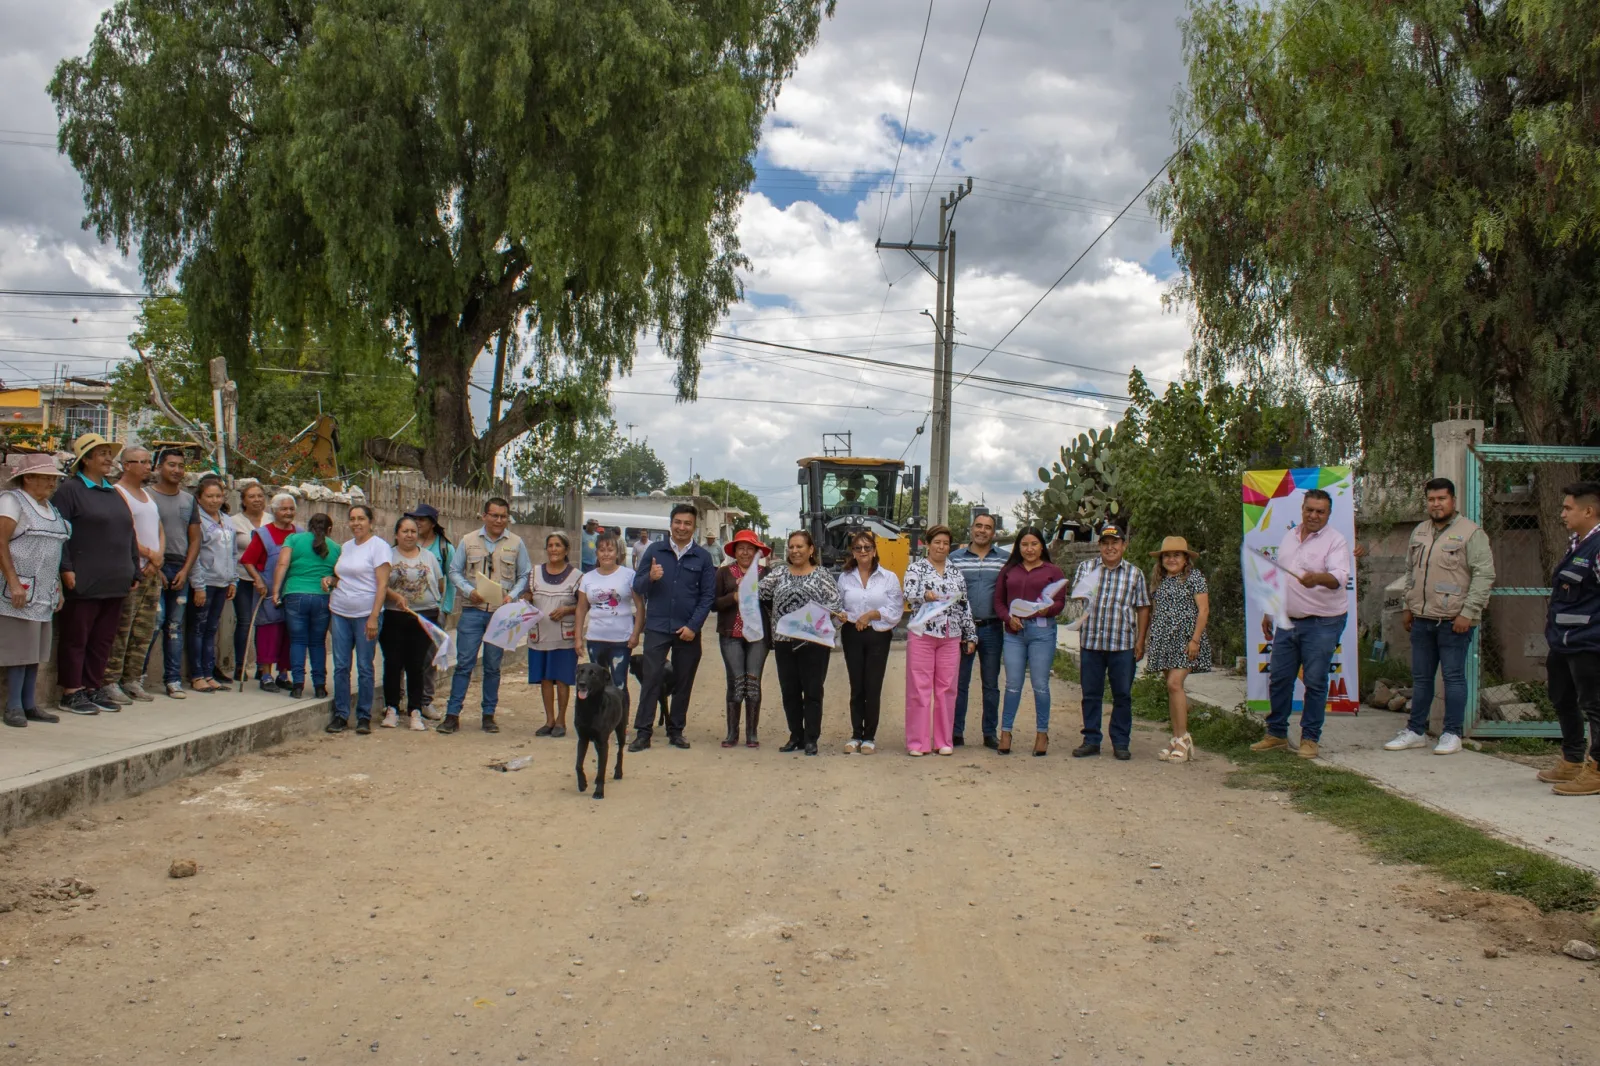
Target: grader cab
[[842, 494]]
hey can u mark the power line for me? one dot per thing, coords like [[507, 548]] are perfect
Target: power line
[[81, 294], [1182, 147], [906, 123], [950, 128]]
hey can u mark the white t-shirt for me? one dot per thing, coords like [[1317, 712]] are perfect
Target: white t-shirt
[[357, 571], [146, 520], [610, 604]]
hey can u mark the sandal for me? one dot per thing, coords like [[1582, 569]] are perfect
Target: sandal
[[1005, 742], [1182, 749], [203, 685]]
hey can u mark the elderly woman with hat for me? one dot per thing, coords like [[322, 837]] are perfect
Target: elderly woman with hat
[[32, 536], [100, 565], [743, 656], [1179, 646]]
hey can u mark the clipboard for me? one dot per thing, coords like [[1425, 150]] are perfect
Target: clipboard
[[488, 590]]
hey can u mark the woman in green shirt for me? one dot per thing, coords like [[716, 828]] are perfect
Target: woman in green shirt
[[303, 561]]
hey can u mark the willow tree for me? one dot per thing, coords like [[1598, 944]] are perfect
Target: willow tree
[[1399, 200], [450, 171]]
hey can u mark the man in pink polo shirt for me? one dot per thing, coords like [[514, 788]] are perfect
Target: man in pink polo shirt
[[1320, 557]]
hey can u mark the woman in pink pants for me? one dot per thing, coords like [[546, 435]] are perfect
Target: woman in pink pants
[[933, 657]]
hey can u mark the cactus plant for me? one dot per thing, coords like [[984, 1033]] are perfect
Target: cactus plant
[[1083, 485]]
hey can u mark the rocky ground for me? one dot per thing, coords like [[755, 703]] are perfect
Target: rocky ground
[[390, 899]]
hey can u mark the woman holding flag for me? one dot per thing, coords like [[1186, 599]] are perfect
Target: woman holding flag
[[943, 621], [802, 639], [1029, 593], [610, 613], [744, 643], [416, 589]]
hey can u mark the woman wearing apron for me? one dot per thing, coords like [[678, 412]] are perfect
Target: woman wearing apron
[[553, 649], [32, 533], [260, 562]]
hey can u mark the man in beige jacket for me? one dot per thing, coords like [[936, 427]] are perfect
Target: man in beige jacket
[[1450, 573]]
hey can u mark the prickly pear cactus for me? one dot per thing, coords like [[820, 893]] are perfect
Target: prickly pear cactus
[[1083, 484]]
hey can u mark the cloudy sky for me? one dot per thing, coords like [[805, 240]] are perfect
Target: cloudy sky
[[1064, 116]]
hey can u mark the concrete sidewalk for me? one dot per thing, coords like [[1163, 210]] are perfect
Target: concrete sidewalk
[[1496, 795], [49, 770]]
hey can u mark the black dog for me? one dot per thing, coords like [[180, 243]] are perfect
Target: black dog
[[597, 715], [668, 682]]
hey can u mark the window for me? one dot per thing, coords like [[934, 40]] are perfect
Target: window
[[86, 418]]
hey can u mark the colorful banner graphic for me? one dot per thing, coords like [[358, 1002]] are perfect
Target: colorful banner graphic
[[1271, 511]]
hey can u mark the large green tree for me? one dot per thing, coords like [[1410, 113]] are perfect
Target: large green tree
[[447, 170], [632, 469], [1400, 202], [724, 491]]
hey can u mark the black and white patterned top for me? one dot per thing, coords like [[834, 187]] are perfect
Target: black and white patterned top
[[1172, 620], [921, 579], [789, 592]]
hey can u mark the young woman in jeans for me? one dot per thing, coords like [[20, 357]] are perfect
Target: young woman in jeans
[[303, 561], [416, 585], [358, 588], [1029, 643], [742, 657], [211, 585], [610, 613]]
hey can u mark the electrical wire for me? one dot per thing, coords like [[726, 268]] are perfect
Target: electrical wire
[[951, 127], [905, 124]]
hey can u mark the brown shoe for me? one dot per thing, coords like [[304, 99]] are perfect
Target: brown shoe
[[1587, 783], [1308, 749], [1269, 743], [1561, 771]]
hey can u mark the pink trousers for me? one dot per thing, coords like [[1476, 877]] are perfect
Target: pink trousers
[[932, 665]]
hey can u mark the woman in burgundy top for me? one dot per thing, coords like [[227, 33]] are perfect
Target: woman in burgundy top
[[1030, 638]]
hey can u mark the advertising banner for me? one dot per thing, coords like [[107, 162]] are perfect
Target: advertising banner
[[1271, 512]]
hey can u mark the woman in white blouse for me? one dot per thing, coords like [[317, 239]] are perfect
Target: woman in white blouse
[[873, 603]]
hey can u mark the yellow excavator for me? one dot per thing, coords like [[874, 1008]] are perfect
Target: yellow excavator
[[840, 494]]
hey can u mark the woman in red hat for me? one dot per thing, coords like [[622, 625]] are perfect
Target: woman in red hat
[[742, 657]]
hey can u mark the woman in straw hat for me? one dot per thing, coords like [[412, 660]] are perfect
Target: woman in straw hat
[[32, 534], [1179, 646], [100, 565]]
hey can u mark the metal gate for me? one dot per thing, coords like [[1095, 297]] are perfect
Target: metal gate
[[1505, 659]]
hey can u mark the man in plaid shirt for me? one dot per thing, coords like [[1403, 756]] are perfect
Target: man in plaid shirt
[[1111, 641]]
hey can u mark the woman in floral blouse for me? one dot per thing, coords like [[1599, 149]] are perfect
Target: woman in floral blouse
[[802, 664], [933, 655]]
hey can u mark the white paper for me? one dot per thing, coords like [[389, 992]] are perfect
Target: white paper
[[1265, 585], [750, 603], [1047, 597], [444, 649], [488, 590], [926, 613], [511, 625], [1087, 584], [811, 622]]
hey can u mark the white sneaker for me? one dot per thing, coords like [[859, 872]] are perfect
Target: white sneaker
[[868, 747], [1448, 744], [175, 691], [430, 714], [417, 724], [1407, 739], [852, 746], [391, 718], [947, 751]]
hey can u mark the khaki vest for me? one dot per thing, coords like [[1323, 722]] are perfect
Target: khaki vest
[[497, 562], [1440, 576]]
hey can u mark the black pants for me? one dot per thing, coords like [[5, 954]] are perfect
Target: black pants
[[244, 609], [407, 651], [866, 657], [685, 655], [1574, 685], [802, 669]]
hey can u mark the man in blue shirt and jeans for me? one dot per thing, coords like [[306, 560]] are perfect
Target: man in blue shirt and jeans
[[980, 563], [678, 581]]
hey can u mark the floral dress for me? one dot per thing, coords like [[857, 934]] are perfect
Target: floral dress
[[921, 579], [789, 592], [1173, 615]]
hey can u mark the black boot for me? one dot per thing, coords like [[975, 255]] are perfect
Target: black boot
[[732, 739], [752, 719]]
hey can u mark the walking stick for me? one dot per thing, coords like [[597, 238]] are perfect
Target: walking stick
[[252, 641]]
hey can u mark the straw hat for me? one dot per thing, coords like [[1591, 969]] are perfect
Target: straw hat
[[22, 465], [88, 443], [1175, 544]]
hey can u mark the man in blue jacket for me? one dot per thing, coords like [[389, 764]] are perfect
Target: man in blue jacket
[[678, 581], [1572, 630]]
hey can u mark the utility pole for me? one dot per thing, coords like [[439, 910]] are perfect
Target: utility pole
[[944, 317]]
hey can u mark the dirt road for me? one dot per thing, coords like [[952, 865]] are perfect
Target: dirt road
[[388, 899]]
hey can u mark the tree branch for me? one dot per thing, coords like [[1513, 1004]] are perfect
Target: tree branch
[[521, 416], [392, 452]]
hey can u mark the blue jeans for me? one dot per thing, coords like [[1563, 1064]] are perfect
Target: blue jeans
[[204, 623], [308, 617], [1437, 646], [613, 655], [988, 657], [469, 638], [1033, 650], [1308, 647], [1094, 666], [350, 641], [169, 624]]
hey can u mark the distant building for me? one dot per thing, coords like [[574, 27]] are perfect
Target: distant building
[[653, 514], [71, 407]]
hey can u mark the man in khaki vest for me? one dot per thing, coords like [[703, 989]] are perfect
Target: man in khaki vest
[[495, 553], [1448, 579]]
